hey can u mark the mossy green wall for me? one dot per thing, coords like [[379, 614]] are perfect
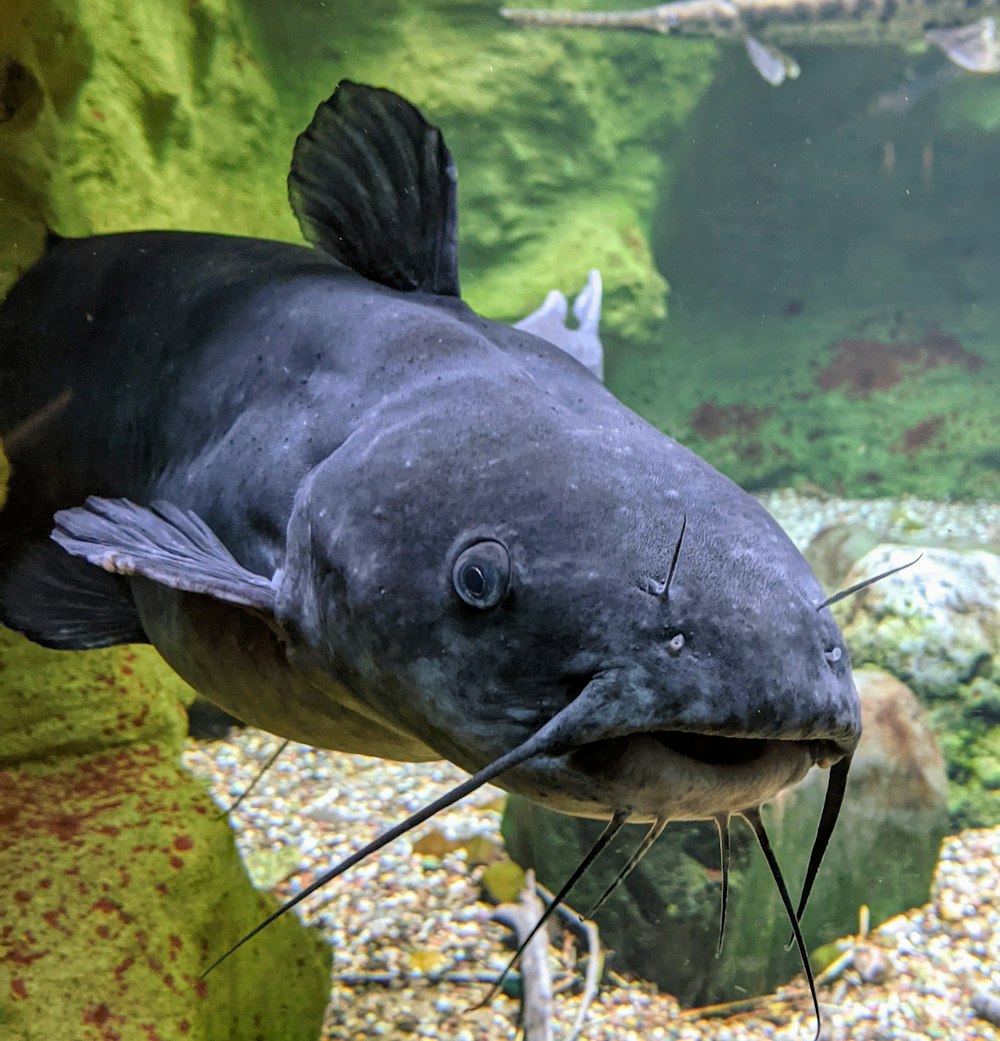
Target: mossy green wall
[[183, 115]]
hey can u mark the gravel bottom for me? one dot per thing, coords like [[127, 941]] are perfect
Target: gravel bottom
[[414, 945], [902, 520], [413, 941]]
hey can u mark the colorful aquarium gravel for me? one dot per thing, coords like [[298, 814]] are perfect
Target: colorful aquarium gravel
[[414, 946]]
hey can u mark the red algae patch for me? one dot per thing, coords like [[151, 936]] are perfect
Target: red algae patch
[[916, 438], [713, 421], [862, 367]]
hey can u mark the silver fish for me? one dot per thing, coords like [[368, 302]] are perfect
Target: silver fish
[[763, 25]]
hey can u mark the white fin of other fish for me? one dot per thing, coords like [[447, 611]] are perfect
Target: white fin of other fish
[[773, 64], [971, 47], [583, 342]]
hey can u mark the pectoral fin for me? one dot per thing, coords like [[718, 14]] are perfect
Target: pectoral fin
[[773, 64], [61, 601], [583, 342], [164, 543], [971, 47]]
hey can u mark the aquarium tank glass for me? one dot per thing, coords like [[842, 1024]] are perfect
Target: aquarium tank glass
[[499, 520]]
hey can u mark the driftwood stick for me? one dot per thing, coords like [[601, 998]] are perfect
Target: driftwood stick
[[536, 973], [595, 969]]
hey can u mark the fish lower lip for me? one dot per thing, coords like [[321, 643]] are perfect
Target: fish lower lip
[[716, 750], [676, 774]]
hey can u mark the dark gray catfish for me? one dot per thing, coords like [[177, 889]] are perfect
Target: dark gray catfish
[[348, 509]]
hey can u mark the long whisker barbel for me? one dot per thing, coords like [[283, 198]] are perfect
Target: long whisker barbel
[[654, 832], [722, 823], [615, 825], [268, 763], [836, 787], [753, 818], [858, 586], [543, 740]]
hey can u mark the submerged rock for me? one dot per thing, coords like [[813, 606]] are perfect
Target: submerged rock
[[936, 626], [834, 550], [662, 924]]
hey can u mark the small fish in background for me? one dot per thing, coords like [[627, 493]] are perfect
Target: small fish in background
[[764, 24], [917, 87]]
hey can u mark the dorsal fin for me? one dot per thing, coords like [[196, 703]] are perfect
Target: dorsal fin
[[373, 184]]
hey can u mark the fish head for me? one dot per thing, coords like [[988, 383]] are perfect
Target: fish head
[[500, 555]]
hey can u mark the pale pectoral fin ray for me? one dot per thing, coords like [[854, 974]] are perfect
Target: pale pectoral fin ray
[[165, 544], [772, 63], [971, 47], [753, 818]]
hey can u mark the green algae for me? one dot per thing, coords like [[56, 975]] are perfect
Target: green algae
[[833, 320], [971, 743], [143, 115], [69, 703], [119, 882], [184, 115], [558, 138]]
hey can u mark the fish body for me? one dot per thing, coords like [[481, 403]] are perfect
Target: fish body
[[966, 34], [350, 510]]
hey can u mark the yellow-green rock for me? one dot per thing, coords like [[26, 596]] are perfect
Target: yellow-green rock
[[71, 703], [118, 885], [118, 881]]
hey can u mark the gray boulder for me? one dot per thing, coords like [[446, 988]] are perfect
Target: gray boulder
[[935, 625]]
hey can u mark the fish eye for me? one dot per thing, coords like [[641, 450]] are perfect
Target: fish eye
[[481, 574]]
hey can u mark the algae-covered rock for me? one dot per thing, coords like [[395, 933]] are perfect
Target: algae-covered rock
[[119, 884], [164, 113], [116, 116], [559, 136], [662, 923], [834, 550], [936, 626], [58, 704], [118, 881]]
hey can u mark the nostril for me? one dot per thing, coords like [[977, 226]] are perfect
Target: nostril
[[833, 654]]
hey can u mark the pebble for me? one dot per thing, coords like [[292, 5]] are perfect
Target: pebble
[[414, 946]]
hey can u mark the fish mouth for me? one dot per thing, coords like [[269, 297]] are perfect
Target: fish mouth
[[680, 775], [716, 750]]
